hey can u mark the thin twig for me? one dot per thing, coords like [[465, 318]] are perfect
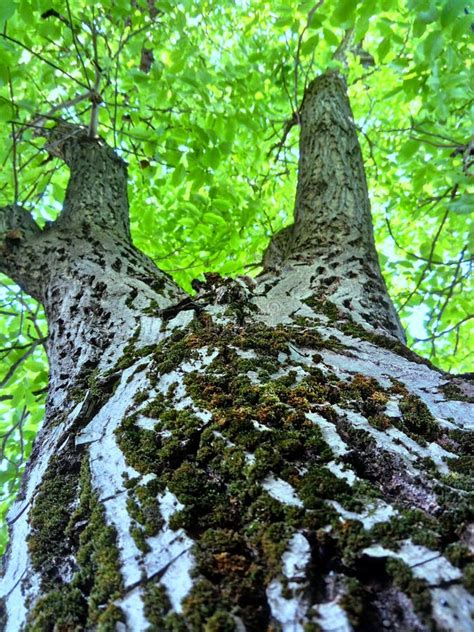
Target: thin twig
[[11, 371], [74, 39], [14, 139], [43, 59]]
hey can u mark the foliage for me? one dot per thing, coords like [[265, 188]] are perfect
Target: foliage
[[196, 96]]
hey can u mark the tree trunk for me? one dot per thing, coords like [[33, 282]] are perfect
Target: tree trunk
[[263, 456]]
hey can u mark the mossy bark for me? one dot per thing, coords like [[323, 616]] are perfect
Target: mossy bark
[[252, 458]]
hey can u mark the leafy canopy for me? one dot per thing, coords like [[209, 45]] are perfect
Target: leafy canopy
[[196, 96]]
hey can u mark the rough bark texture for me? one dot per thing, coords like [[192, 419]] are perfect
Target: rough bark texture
[[252, 459], [330, 247]]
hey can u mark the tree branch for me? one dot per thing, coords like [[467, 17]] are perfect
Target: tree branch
[[18, 230], [97, 189]]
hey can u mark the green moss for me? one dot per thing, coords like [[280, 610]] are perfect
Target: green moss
[[416, 589], [82, 533], [351, 539], [418, 422], [139, 445], [51, 512], [459, 554], [62, 609], [468, 578], [158, 611], [139, 537], [97, 556], [463, 441], [201, 604], [142, 506], [456, 509], [415, 524], [353, 601], [462, 465], [452, 391], [141, 396], [220, 621], [319, 483], [324, 307]]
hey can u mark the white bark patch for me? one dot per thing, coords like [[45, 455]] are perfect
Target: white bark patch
[[281, 491], [427, 564], [453, 606], [395, 441], [432, 450], [381, 363], [333, 618], [278, 303], [246, 354], [330, 434], [258, 426], [146, 423], [290, 612], [375, 513], [108, 465], [169, 549], [282, 299], [18, 563], [392, 409], [151, 331], [134, 610], [177, 579], [341, 472]]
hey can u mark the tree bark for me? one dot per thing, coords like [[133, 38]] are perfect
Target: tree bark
[[256, 457]]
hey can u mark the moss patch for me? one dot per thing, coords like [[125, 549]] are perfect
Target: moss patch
[[259, 394], [51, 512], [83, 534]]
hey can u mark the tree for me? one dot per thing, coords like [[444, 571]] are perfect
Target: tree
[[262, 453]]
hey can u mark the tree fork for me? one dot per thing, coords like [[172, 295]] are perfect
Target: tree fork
[[251, 459]]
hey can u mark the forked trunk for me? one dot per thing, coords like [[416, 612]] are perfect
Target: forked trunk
[[263, 456]]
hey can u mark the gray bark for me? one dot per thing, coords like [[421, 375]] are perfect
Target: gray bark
[[251, 459], [331, 243]]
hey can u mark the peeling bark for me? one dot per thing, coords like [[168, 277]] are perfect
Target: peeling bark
[[253, 459]]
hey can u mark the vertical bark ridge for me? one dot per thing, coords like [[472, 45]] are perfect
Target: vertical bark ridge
[[332, 234]]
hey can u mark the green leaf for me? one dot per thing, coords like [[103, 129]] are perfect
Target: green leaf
[[426, 17], [344, 15], [409, 149], [310, 45], [330, 37], [451, 10], [463, 206], [433, 45], [213, 218], [178, 176], [383, 48], [143, 133], [7, 9]]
